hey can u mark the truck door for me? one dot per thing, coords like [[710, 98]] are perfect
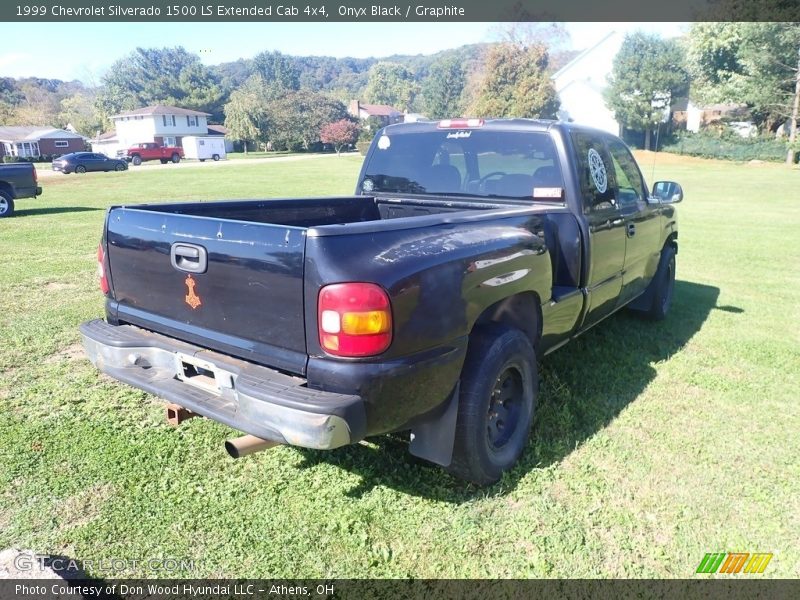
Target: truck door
[[642, 222], [606, 225]]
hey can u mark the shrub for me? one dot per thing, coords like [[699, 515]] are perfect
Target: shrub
[[727, 146], [362, 147], [11, 159]]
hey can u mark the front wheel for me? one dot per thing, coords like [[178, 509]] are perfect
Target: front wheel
[[136, 160], [176, 158], [119, 167], [6, 205], [663, 285], [499, 387], [80, 169]]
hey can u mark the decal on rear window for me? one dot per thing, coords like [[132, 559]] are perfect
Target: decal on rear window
[[384, 142]]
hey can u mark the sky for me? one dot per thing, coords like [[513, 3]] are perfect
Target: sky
[[85, 51]]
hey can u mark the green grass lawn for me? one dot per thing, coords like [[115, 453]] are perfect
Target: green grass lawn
[[653, 444]]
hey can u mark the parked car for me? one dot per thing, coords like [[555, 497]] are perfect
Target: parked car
[[139, 153], [422, 303], [83, 162], [17, 180]]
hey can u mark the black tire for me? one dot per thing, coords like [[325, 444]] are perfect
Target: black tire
[[6, 205], [499, 388], [80, 169], [136, 160], [215, 157], [176, 158], [119, 167], [202, 160], [163, 161], [663, 285]]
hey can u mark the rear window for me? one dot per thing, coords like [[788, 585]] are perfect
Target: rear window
[[473, 162]]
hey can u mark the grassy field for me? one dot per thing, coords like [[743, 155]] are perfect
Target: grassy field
[[653, 444]]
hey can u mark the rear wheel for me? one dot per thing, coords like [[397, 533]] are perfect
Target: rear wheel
[[80, 169], [6, 205], [119, 167], [136, 160], [499, 387], [215, 157], [176, 158]]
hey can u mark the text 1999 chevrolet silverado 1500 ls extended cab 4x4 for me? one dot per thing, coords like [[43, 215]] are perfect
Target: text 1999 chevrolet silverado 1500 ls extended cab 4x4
[[421, 303]]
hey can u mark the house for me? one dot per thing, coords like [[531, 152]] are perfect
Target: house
[[165, 125], [38, 141], [580, 85], [387, 115]]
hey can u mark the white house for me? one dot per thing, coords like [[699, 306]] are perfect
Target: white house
[[165, 125], [581, 82]]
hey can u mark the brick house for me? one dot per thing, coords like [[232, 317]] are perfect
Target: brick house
[[387, 115], [31, 141]]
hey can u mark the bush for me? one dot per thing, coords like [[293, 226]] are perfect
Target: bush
[[11, 159], [362, 147], [727, 146]]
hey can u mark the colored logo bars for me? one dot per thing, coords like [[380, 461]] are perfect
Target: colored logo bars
[[734, 562]]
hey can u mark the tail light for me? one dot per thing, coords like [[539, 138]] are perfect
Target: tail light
[[460, 123], [35, 176], [101, 269], [354, 319]]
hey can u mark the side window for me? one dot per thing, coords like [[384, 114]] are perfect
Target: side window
[[595, 174], [630, 186]]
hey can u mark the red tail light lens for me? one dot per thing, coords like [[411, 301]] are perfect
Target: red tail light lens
[[101, 269], [460, 123], [354, 319]]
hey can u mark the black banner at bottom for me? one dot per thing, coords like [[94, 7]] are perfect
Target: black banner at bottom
[[436, 589]]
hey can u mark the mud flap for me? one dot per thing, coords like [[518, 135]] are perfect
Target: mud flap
[[433, 440]]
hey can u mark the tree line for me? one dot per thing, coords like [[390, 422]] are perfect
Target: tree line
[[286, 100]]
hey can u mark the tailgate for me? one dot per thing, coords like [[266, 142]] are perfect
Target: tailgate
[[232, 286]]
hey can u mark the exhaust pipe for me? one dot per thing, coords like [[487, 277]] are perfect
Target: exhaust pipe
[[247, 444]]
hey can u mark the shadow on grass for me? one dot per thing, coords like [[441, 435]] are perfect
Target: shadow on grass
[[54, 210], [584, 387]]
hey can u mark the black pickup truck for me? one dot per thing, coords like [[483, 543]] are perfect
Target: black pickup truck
[[17, 180], [470, 249]]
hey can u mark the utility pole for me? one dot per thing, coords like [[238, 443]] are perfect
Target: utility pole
[[793, 123]]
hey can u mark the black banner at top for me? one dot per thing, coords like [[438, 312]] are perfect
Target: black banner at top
[[31, 11]]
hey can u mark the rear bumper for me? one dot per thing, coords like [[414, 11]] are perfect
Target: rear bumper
[[252, 398]]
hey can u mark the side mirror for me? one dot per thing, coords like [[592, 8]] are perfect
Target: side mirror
[[667, 191]]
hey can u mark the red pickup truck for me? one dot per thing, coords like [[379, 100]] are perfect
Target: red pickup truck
[[138, 153]]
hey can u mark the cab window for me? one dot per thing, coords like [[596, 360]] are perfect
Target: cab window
[[630, 185], [595, 174]]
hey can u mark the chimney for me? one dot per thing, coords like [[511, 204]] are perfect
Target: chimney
[[355, 108]]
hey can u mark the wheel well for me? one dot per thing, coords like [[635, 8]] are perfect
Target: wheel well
[[672, 240], [521, 311], [6, 187]]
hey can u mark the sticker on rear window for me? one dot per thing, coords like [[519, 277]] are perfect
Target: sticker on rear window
[[384, 142], [368, 186], [598, 171]]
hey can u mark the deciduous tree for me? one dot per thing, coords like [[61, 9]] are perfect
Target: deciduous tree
[[442, 89], [339, 134], [391, 83], [647, 73], [515, 82]]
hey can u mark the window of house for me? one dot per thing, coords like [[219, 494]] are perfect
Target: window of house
[[191, 121], [62, 144], [164, 118], [173, 120]]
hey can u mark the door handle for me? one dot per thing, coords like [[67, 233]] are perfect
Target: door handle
[[631, 229], [189, 257]]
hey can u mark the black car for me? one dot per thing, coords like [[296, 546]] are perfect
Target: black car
[[81, 162]]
